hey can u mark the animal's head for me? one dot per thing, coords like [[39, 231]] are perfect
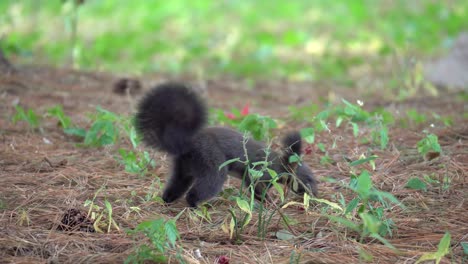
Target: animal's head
[[303, 181]]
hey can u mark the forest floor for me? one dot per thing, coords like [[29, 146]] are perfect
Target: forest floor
[[44, 174]]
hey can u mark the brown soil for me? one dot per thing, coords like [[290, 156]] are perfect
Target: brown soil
[[45, 179]]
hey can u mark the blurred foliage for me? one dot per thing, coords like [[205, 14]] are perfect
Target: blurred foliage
[[299, 40]]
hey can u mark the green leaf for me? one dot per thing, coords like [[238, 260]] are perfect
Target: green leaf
[[350, 109], [33, 119], [338, 122], [260, 163], [326, 160], [321, 147], [416, 184], [364, 184], [134, 139], [259, 126], [243, 205], [322, 125], [279, 189], [323, 115], [371, 223], [57, 112], [352, 205], [387, 196], [465, 247], [442, 250], [101, 133], [29, 117], [272, 173], [444, 245], [327, 202], [386, 116], [308, 134], [366, 256], [355, 129], [109, 214], [383, 240], [345, 222], [429, 144], [75, 131], [284, 235], [108, 206], [20, 114], [171, 232], [306, 201], [294, 158], [246, 220], [255, 173], [224, 164], [361, 161], [232, 224], [383, 137]]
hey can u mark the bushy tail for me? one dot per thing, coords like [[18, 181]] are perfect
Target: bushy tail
[[169, 116], [292, 144]]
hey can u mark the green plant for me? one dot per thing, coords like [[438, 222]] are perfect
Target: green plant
[[63, 120], [442, 250], [429, 146], [258, 126], [377, 121], [416, 117], [464, 246], [135, 161], [441, 181], [351, 115], [105, 129], [429, 181], [308, 134], [163, 235], [446, 120], [306, 203], [240, 221], [29, 116], [101, 216], [203, 213], [416, 184], [248, 207], [365, 213], [246, 204], [363, 159]]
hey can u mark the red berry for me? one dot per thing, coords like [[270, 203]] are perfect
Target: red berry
[[222, 260], [245, 111], [308, 150], [230, 115]]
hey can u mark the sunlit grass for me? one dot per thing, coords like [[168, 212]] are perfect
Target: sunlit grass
[[297, 40]]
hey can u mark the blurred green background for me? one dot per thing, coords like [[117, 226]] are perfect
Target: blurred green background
[[294, 40]]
